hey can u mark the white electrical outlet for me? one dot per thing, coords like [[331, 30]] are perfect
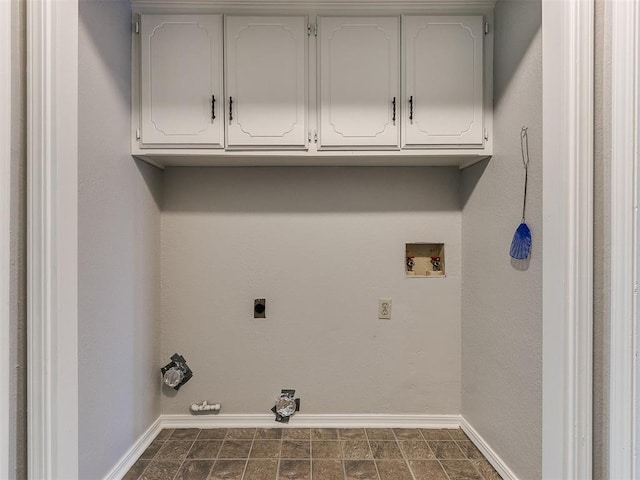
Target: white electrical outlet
[[384, 308]]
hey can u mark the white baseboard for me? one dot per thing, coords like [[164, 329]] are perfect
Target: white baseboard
[[492, 457], [311, 421], [130, 457]]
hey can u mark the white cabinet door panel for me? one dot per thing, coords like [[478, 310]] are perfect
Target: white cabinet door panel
[[443, 96], [266, 81], [359, 79], [181, 73]]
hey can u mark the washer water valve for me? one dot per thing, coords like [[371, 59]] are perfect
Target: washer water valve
[[286, 405], [177, 372], [205, 407]]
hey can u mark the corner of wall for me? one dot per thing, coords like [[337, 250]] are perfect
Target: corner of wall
[[119, 250], [502, 302]]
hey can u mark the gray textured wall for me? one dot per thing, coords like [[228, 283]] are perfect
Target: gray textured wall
[[501, 302], [18, 316], [119, 270], [601, 239], [322, 245]]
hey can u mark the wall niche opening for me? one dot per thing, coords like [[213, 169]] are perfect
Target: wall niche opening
[[424, 260]]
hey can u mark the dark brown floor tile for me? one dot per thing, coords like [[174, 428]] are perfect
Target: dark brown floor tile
[[161, 470], [174, 450], [458, 434], [296, 434], [352, 434], [227, 470], [446, 450], [185, 434], [324, 434], [356, 450], [136, 470], [486, 469], [385, 450], [295, 470], [152, 449], [427, 470], [164, 434], [235, 449], [436, 433], [360, 470], [194, 470], [212, 434], [457, 454], [295, 449], [326, 449], [460, 470], [380, 434], [205, 449], [261, 470], [327, 470], [416, 450], [241, 433], [469, 449], [393, 470], [269, 434], [408, 434], [265, 449]]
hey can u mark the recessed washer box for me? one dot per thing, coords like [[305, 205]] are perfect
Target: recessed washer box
[[424, 260]]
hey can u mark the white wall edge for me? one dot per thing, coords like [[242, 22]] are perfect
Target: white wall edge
[[52, 236], [133, 454], [310, 421], [568, 53], [489, 453], [5, 232], [624, 27]]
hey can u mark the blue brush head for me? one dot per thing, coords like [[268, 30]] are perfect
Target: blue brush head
[[521, 243]]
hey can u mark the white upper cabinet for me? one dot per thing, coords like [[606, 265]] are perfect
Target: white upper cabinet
[[387, 85], [181, 81], [359, 82], [266, 81], [443, 94]]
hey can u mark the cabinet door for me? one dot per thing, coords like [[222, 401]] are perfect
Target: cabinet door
[[443, 80], [181, 73], [266, 81], [359, 82]]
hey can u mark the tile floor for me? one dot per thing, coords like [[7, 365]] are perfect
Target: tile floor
[[311, 454]]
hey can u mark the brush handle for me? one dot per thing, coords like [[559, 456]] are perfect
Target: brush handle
[[524, 148]]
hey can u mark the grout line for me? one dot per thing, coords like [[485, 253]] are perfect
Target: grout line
[[404, 456], [155, 454], [443, 469], [311, 454], [434, 453], [215, 460], [372, 455], [211, 468], [280, 454], [246, 463], [469, 458], [150, 460], [185, 456], [344, 466]]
